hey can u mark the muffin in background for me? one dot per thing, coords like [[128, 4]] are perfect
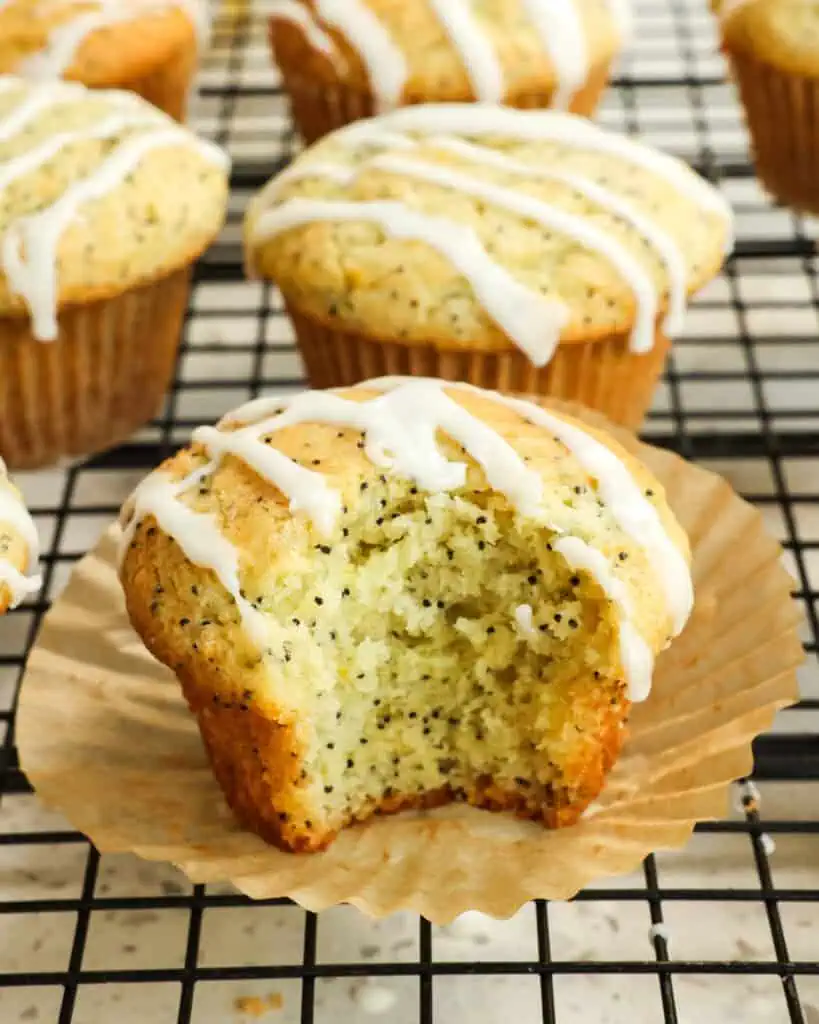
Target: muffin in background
[[525, 251], [342, 61], [405, 594], [105, 203], [773, 50], [150, 47], [18, 546]]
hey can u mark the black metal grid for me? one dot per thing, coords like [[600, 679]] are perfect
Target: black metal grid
[[734, 918]]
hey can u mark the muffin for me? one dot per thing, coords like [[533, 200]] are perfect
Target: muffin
[[18, 546], [344, 61], [773, 50], [149, 47], [520, 250], [401, 595], [105, 203]]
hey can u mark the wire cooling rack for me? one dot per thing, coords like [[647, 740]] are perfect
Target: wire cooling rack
[[726, 930]]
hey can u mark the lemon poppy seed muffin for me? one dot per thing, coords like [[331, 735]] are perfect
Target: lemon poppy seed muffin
[[146, 46], [523, 250], [342, 60], [403, 594], [18, 546], [773, 49], [105, 203]]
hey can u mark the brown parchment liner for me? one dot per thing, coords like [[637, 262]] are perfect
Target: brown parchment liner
[[106, 738]]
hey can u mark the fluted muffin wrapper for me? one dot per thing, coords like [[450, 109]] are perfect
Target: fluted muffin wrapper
[[106, 738], [782, 112], [603, 374], [320, 107], [102, 378]]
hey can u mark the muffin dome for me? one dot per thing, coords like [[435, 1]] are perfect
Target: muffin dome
[[18, 546], [409, 51], [489, 228], [96, 42], [99, 193], [403, 594], [782, 33]]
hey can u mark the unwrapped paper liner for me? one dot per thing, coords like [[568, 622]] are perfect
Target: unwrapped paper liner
[[106, 738]]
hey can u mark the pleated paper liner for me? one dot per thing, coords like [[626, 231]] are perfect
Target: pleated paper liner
[[604, 374], [105, 738], [102, 378], [782, 111]]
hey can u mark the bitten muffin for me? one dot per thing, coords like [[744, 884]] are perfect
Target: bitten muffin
[[149, 47], [18, 546], [404, 594], [522, 250], [773, 49], [342, 61], [105, 203]]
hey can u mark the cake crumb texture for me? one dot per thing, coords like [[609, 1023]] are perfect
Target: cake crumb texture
[[18, 544]]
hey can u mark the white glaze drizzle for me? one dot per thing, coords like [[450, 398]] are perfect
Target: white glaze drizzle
[[559, 28], [631, 509], [400, 429], [557, 24], [14, 514], [661, 241], [384, 60], [198, 535], [39, 99], [530, 320], [553, 219], [65, 39], [635, 654], [481, 120], [109, 127], [480, 61], [524, 617], [28, 253], [296, 13]]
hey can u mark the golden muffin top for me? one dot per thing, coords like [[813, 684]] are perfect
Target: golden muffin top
[[18, 545], [287, 486], [409, 50], [99, 192], [485, 227], [784, 33], [97, 42]]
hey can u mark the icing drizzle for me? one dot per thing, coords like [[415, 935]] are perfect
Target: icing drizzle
[[556, 23], [66, 38], [28, 249], [399, 427], [448, 128], [14, 514]]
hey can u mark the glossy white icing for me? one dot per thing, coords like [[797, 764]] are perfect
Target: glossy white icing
[[295, 12], [462, 26], [559, 28], [476, 121], [632, 510], [13, 513], [551, 218], [382, 56], [400, 427], [531, 321], [28, 249], [65, 38], [663, 244]]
